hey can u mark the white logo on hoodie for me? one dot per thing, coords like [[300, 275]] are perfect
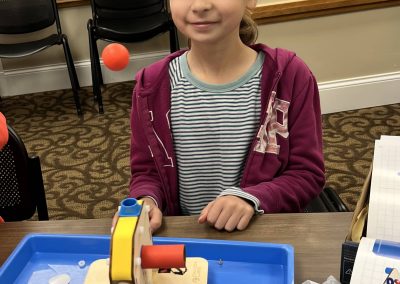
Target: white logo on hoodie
[[276, 122]]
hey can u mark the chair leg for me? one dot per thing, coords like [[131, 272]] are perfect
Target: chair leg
[[92, 42], [40, 194], [95, 68], [99, 78], [72, 74], [98, 66]]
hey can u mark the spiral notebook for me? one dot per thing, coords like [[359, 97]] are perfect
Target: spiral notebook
[[378, 255], [384, 203]]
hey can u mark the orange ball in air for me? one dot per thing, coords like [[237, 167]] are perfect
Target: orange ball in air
[[115, 56]]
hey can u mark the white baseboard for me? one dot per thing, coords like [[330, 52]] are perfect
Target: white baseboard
[[360, 92], [339, 95], [55, 77]]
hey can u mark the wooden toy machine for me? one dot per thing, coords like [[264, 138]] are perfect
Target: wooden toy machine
[[134, 259]]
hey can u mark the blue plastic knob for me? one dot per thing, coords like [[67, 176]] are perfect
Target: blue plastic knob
[[129, 207]]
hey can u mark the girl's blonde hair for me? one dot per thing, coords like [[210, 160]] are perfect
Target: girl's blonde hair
[[248, 29]]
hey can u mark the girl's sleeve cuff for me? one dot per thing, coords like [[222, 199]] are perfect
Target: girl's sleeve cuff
[[237, 191], [152, 198]]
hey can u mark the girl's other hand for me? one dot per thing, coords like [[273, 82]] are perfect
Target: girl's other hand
[[227, 212], [155, 215]]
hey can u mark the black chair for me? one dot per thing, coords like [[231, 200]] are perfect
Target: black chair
[[21, 183], [22, 17], [125, 21], [327, 201]]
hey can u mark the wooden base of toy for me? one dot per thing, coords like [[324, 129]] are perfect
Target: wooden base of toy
[[98, 272], [197, 271]]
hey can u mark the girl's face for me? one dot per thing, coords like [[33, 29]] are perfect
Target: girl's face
[[209, 21]]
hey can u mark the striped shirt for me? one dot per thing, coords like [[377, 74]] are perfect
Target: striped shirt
[[213, 127]]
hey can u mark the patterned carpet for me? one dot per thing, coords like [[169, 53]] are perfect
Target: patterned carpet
[[85, 161]]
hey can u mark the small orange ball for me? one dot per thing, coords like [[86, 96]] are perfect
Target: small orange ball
[[115, 56]]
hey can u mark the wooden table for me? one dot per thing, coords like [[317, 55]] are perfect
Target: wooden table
[[316, 237]]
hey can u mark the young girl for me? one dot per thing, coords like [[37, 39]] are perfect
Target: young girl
[[226, 129]]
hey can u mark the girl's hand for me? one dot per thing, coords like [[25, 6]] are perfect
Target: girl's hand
[[155, 215], [227, 212]]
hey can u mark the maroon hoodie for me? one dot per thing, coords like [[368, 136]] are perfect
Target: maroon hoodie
[[284, 167]]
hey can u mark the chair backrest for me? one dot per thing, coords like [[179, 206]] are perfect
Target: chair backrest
[[21, 183], [24, 16], [116, 9], [327, 201]]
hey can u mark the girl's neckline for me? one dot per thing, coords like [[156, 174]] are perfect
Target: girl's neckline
[[254, 68]]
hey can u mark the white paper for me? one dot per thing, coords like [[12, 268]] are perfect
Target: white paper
[[384, 203], [390, 138], [374, 268]]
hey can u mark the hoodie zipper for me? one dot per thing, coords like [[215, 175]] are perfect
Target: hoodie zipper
[[253, 144], [155, 151]]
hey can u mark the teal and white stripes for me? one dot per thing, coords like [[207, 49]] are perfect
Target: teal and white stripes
[[212, 126]]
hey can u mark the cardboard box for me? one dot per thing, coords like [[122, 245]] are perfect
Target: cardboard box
[[357, 230]]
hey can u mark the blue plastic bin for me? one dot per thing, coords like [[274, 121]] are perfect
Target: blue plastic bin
[[38, 257]]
